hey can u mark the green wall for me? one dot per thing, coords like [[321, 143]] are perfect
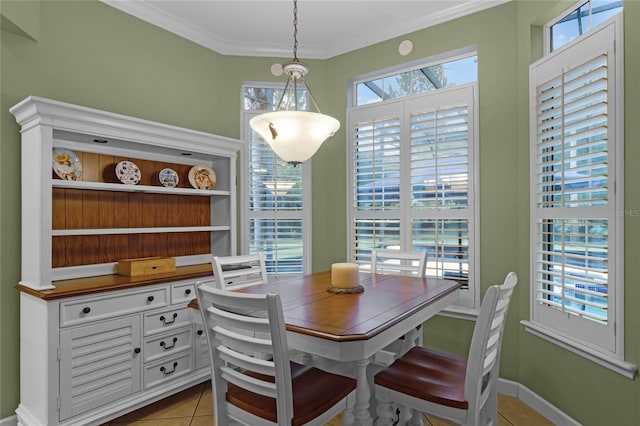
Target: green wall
[[90, 54]]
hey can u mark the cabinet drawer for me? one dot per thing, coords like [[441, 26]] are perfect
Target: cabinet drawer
[[168, 369], [168, 344], [183, 293], [78, 311], [170, 319]]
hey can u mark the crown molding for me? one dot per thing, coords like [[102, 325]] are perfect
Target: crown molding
[[156, 16]]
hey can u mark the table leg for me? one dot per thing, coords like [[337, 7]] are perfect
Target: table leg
[[363, 394]]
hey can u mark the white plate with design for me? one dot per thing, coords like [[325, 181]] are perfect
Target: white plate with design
[[66, 164], [202, 177], [128, 173], [169, 178]]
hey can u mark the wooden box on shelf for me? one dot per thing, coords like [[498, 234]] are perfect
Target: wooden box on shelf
[[146, 266]]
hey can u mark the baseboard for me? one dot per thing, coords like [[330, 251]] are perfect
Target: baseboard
[[536, 402], [9, 421]]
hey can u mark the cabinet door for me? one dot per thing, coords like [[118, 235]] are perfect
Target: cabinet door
[[99, 363]]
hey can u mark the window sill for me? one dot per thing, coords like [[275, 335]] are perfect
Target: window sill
[[460, 312], [619, 366]]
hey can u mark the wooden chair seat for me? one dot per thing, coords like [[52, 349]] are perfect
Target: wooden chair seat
[[314, 392], [429, 375]]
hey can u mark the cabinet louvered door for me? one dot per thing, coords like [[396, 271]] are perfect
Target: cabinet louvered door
[[98, 364]]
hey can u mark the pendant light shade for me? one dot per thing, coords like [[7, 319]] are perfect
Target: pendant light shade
[[294, 135]]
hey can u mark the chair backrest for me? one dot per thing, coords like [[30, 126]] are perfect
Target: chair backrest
[[233, 353], [396, 262], [483, 364], [233, 272]]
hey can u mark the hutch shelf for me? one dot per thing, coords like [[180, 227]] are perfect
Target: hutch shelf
[[94, 344]]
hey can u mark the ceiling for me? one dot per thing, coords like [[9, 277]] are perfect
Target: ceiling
[[326, 28]]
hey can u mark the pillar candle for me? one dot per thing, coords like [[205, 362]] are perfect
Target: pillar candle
[[344, 275]]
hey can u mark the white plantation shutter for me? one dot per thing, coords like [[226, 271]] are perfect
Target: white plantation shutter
[[274, 185], [443, 214], [375, 180], [279, 240], [575, 228], [413, 179], [376, 164], [440, 158], [276, 213]]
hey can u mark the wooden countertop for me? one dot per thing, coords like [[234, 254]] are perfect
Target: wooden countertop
[[97, 284]]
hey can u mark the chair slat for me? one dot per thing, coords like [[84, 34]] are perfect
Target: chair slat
[[250, 383], [246, 361]]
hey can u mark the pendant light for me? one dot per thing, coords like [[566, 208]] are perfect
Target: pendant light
[[294, 135]]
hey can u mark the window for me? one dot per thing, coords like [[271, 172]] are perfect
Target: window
[[577, 210], [418, 79], [276, 198], [578, 20], [413, 183]]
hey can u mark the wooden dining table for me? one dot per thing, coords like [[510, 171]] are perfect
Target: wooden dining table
[[350, 329]]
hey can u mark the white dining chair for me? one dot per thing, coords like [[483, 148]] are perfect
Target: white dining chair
[[396, 262], [234, 272], [448, 386], [253, 380]]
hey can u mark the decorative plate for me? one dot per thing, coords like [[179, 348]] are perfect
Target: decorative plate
[[128, 173], [66, 164], [202, 177], [169, 178]]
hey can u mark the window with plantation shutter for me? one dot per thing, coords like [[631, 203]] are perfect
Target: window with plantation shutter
[[576, 197], [276, 213], [413, 184]]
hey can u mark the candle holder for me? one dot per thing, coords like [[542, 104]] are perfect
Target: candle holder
[[338, 290]]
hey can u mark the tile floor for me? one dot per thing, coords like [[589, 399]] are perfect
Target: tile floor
[[194, 407]]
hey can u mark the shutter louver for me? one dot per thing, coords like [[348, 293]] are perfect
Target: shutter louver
[[273, 184], [572, 194], [374, 233], [280, 240], [376, 164], [446, 242], [440, 158]]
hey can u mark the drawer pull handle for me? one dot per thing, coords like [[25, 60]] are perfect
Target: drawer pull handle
[[164, 345], [165, 372], [86, 310], [136, 350], [150, 299], [167, 322], [200, 332], [187, 291]]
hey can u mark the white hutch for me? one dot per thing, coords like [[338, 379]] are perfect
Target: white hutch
[[95, 344]]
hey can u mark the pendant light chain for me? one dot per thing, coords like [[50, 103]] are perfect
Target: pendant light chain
[[295, 30]]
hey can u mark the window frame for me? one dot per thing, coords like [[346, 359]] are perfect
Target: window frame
[[614, 358], [546, 42], [404, 214], [305, 214]]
